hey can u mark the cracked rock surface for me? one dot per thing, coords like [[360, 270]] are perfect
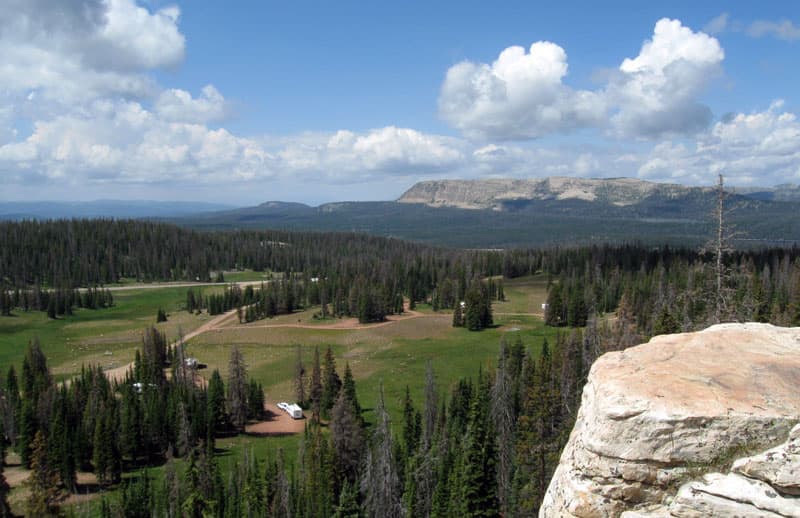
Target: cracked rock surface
[[665, 429]]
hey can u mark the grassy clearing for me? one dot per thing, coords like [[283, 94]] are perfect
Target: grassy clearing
[[394, 355], [523, 295], [107, 337]]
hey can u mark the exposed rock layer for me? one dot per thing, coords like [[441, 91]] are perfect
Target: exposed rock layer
[[494, 193], [681, 407]]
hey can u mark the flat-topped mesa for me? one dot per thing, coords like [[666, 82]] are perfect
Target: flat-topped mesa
[[682, 406], [495, 193]]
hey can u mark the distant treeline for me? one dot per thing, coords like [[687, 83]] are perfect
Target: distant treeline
[[663, 288], [58, 302], [659, 291]]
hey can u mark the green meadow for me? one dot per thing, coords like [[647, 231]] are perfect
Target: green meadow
[[394, 355]]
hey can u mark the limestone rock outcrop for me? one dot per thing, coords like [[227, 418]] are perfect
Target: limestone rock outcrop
[[660, 425], [494, 193]]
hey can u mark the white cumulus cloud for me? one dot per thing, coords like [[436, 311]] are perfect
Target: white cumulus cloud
[[760, 148], [522, 94], [656, 92], [179, 105], [347, 156], [73, 52], [124, 142]]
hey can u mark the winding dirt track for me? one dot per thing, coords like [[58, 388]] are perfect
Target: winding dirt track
[[118, 373], [222, 322]]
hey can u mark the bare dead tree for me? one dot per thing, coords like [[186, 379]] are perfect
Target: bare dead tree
[[380, 483], [720, 246], [502, 408]]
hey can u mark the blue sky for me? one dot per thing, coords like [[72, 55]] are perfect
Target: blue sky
[[243, 102]]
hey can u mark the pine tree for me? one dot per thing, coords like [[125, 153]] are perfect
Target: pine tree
[[255, 400], [51, 308], [331, 384], [191, 302], [349, 390], [539, 432], [197, 501], [61, 443], [458, 317], [35, 374], [478, 312], [27, 431], [43, 483], [348, 503], [347, 440], [476, 482], [137, 498], [237, 389], [666, 323], [5, 508], [411, 425], [316, 388], [11, 409], [317, 473], [554, 314], [131, 439], [106, 456], [217, 414]]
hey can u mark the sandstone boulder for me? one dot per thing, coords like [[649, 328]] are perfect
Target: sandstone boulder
[[657, 415]]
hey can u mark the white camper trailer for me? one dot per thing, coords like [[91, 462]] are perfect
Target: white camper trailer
[[294, 411]]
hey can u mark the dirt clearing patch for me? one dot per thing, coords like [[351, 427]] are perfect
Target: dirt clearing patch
[[276, 422]]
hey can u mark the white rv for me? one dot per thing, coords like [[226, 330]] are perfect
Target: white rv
[[294, 411]]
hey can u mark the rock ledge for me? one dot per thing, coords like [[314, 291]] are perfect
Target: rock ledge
[[657, 421]]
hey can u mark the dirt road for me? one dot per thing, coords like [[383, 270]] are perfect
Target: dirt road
[[221, 321], [118, 373]]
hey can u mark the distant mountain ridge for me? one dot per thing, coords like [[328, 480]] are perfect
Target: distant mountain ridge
[[503, 213], [118, 209], [502, 194], [494, 213]]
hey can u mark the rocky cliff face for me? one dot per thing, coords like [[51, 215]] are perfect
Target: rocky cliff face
[[666, 429], [494, 193]]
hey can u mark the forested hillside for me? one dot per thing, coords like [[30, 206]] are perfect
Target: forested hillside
[[483, 446], [656, 219], [671, 285]]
